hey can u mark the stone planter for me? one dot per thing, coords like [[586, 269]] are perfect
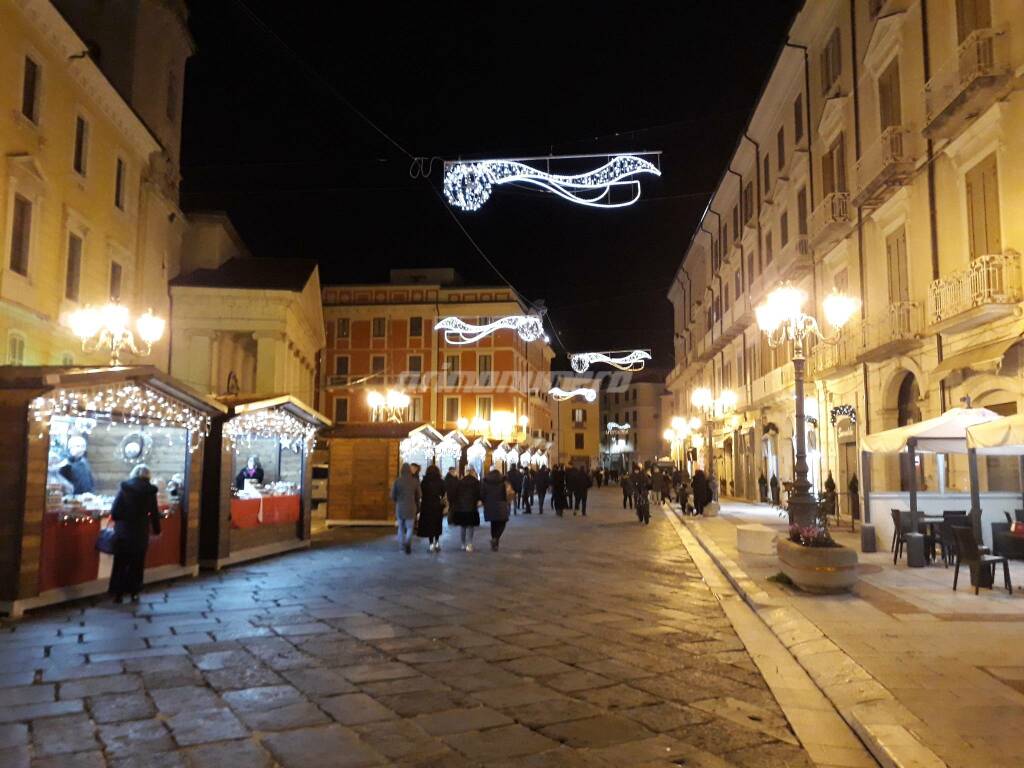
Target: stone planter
[[821, 570]]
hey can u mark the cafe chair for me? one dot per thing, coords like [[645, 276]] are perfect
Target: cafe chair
[[900, 528], [968, 552], [948, 538]]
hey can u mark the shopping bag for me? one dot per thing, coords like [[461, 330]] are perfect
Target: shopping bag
[[106, 541]]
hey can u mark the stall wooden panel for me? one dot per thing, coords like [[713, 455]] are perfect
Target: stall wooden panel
[[190, 510], [12, 487], [34, 509], [359, 483]]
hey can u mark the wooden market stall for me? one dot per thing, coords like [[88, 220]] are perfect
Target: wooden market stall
[[257, 481], [73, 435]]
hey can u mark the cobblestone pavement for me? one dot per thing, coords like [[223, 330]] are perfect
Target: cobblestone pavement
[[583, 642]]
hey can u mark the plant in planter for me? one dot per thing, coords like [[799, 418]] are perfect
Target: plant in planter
[[814, 561]]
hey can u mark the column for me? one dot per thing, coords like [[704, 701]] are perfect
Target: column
[[200, 360], [270, 362]]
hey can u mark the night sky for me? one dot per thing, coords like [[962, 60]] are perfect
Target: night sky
[[273, 135]]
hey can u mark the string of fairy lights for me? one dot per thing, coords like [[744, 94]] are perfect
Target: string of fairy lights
[[269, 424]]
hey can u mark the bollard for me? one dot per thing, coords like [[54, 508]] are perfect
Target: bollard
[[867, 538], [915, 550]]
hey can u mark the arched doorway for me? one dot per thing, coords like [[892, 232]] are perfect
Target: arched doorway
[[908, 412]]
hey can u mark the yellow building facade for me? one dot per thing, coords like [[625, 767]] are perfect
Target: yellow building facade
[[578, 424], [883, 159], [88, 190]]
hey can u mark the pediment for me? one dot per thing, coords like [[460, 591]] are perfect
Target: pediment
[[832, 117], [27, 165], [885, 41]]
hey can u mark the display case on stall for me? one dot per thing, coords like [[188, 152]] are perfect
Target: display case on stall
[[257, 495], [74, 434]]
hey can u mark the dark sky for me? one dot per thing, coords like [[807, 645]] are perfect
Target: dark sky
[[273, 136]]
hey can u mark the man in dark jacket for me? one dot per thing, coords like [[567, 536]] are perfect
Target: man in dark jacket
[[134, 512], [543, 480], [494, 495], [626, 483], [515, 477], [583, 487], [572, 484], [526, 491], [451, 486], [701, 491]]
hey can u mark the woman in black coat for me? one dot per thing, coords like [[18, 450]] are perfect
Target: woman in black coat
[[701, 491], [495, 496], [134, 513], [431, 519], [558, 492], [464, 512]]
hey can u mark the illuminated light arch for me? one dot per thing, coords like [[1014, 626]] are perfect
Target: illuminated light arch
[[458, 331], [469, 184], [588, 394], [624, 361]]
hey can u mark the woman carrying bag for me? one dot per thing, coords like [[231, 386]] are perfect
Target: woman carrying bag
[[134, 513]]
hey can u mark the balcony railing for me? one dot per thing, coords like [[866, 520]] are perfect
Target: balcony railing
[[968, 82], [989, 288], [794, 259], [895, 330], [885, 166], [839, 356], [831, 219], [775, 383]]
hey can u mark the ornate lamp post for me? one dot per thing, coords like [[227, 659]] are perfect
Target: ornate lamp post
[[710, 408], [110, 327], [389, 406], [782, 318]]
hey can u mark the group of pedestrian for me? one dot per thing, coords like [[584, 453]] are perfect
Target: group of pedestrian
[[658, 485]]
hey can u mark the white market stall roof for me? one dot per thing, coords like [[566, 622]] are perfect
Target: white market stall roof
[[943, 434], [1002, 437]]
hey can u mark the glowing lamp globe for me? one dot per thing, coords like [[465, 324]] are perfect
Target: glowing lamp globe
[[679, 424], [729, 399], [839, 308], [374, 399], [524, 421], [85, 323], [150, 327], [698, 441], [696, 423], [701, 397], [115, 318], [669, 435]]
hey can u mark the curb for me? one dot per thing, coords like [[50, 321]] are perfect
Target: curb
[[887, 728]]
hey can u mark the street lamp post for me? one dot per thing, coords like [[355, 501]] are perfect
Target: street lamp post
[[710, 406], [782, 319]]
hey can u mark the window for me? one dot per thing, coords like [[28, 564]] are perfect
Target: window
[[341, 366], [767, 169], [116, 275], [831, 63], [81, 157], [896, 261], [725, 297], [415, 327], [798, 119], [783, 229], [342, 328], [416, 409], [15, 349], [634, 395], [451, 409], [889, 107], [172, 95], [30, 90], [748, 202], [21, 234], [725, 238], [377, 364], [768, 247], [484, 365], [73, 277], [972, 15], [750, 265], [119, 183], [982, 187], [739, 283], [579, 416], [341, 409], [415, 364], [483, 408], [833, 166], [451, 364], [780, 147], [801, 211], [579, 441], [380, 327]]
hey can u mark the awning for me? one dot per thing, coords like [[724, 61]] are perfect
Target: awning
[[985, 356], [943, 434], [1002, 437]]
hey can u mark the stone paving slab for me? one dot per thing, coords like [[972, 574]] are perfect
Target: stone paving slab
[[584, 643]]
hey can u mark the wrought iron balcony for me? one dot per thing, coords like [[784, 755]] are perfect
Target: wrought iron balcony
[[894, 331], [774, 385], [990, 288], [885, 166], [974, 78], [840, 357], [831, 219]]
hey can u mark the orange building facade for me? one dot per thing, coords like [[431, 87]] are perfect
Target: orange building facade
[[382, 337]]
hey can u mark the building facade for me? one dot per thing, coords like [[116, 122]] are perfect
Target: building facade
[[89, 192], [883, 159], [578, 425], [631, 422], [381, 336]]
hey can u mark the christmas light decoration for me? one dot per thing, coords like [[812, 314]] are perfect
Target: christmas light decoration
[[389, 406], [130, 404], [269, 424], [843, 410], [613, 427], [557, 393], [624, 361], [457, 331], [468, 185], [417, 448]]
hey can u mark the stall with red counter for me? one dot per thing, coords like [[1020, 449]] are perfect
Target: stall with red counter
[[256, 494], [74, 435]]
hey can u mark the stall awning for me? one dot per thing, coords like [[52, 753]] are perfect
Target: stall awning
[[240, 404], [943, 434], [1002, 437], [985, 356]]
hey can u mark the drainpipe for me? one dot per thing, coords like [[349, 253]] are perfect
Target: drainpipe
[[810, 155], [757, 183]]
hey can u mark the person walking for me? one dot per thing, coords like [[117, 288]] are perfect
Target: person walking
[[626, 483], [405, 493], [495, 494], [701, 491], [558, 490], [776, 496], [543, 481], [134, 513], [464, 512], [526, 491], [585, 483], [451, 486], [641, 489], [433, 495], [515, 477]]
